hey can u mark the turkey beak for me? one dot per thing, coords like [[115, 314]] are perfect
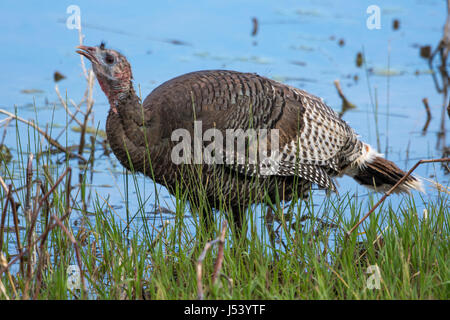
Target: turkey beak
[[88, 52]]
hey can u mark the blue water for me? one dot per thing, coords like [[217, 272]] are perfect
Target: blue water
[[296, 43]]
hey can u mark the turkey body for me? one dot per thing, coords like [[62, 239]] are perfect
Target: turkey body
[[309, 143], [314, 143]]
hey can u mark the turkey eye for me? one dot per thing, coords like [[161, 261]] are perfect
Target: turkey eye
[[109, 59]]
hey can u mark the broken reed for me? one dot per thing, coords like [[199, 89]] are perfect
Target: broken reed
[[27, 256]]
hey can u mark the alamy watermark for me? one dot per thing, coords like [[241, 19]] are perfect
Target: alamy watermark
[[74, 20], [374, 20], [73, 277], [373, 282], [238, 146]]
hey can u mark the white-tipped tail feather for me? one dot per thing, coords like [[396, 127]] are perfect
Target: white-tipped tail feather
[[373, 171]]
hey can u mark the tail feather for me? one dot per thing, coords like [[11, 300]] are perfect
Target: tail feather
[[381, 174]]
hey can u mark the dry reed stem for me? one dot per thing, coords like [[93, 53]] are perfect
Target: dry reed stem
[[76, 247], [64, 104], [53, 142], [29, 176], [77, 110], [47, 230], [6, 124], [199, 269], [67, 171], [378, 241], [3, 184], [2, 223], [160, 232], [43, 239], [49, 226], [16, 228], [89, 105], [389, 192], [3, 263], [218, 263], [2, 287], [30, 223], [89, 75], [219, 260], [19, 256], [68, 196], [80, 40]]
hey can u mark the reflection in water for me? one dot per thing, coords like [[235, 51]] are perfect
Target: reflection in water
[[441, 77]]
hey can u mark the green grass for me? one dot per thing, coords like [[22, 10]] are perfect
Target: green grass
[[310, 258]]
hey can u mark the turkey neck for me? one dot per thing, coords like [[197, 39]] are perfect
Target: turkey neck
[[126, 132]]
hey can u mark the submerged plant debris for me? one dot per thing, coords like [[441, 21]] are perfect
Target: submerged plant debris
[[58, 76]]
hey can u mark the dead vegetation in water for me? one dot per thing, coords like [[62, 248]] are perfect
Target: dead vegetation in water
[[428, 111], [34, 257], [346, 105], [394, 187], [437, 59], [440, 74]]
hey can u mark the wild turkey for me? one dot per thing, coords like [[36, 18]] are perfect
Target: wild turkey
[[314, 144]]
